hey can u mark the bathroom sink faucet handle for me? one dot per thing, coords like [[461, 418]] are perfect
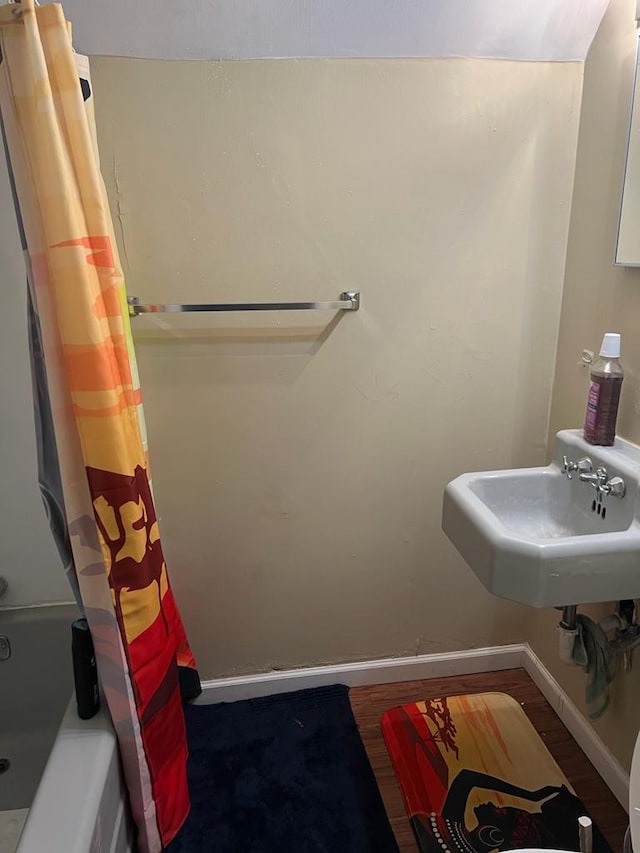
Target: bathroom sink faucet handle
[[615, 487], [583, 465]]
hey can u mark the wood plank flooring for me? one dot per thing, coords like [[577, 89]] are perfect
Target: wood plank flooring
[[369, 703]]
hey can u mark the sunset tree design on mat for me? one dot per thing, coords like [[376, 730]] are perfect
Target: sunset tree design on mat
[[476, 777]]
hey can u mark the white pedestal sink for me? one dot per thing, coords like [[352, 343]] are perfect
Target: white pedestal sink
[[535, 536]]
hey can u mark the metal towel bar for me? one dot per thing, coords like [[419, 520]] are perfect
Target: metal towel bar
[[349, 301]]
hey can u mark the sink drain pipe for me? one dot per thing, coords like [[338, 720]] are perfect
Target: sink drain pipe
[[621, 621], [567, 633], [569, 617]]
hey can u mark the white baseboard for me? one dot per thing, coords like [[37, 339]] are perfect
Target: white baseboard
[[467, 662], [613, 773], [362, 673]]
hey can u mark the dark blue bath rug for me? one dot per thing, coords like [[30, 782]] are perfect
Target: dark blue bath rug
[[281, 774]]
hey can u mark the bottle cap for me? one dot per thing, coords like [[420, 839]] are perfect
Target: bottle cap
[[610, 345]]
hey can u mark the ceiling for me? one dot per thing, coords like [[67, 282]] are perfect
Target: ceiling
[[538, 30]]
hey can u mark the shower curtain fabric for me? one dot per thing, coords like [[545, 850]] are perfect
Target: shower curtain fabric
[[93, 463]]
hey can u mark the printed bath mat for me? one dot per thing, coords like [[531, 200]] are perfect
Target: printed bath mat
[[476, 777]]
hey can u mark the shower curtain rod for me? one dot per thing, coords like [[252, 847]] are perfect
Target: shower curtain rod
[[349, 301]]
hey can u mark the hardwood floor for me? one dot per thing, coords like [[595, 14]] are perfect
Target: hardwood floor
[[369, 703]]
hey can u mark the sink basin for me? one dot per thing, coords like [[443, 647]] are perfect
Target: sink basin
[[534, 536]]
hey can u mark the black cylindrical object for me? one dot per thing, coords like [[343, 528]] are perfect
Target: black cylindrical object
[[85, 671]]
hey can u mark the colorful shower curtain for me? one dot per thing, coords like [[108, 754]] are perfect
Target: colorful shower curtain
[[94, 470]]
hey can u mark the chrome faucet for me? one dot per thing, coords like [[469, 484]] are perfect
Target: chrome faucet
[[614, 486], [597, 478], [583, 465]]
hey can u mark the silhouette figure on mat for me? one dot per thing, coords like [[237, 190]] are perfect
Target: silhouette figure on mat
[[552, 823]]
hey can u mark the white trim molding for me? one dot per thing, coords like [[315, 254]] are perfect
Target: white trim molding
[[613, 773], [466, 662], [362, 673]]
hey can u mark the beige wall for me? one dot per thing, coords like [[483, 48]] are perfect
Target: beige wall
[[599, 297], [28, 558], [299, 463]]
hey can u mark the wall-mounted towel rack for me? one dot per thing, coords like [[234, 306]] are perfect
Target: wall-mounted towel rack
[[349, 301]]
